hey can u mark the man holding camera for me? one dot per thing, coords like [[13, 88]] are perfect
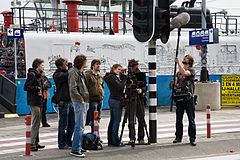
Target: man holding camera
[[185, 81], [141, 101]]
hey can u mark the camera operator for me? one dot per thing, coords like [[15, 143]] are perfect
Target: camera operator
[[185, 79], [141, 100]]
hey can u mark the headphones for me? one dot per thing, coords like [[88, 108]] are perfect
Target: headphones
[[190, 62]]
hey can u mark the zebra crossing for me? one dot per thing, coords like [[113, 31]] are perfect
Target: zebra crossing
[[10, 145]]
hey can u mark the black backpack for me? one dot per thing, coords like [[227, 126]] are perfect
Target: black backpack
[[91, 142]]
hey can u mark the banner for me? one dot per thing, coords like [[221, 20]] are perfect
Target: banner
[[230, 90]]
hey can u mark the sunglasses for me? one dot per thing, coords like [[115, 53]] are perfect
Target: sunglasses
[[184, 62]]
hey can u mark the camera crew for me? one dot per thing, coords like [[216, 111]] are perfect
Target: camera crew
[[116, 87], [141, 100], [185, 79]]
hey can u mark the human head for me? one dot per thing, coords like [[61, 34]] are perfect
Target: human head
[[133, 65], [188, 60], [80, 62], [95, 64], [61, 63], [116, 68], [38, 64]]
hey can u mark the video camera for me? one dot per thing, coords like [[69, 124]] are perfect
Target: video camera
[[134, 81]]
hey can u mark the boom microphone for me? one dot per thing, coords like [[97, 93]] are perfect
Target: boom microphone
[[180, 20]]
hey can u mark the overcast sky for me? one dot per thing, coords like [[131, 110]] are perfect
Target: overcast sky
[[231, 6]]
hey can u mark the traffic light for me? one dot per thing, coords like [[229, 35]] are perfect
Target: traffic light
[[143, 19], [162, 21]]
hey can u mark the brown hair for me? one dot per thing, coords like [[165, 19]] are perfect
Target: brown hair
[[79, 61], [115, 66], [94, 61], [190, 60], [37, 62], [59, 62]]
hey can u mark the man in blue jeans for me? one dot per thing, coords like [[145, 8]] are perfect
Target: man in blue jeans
[[80, 97], [66, 111]]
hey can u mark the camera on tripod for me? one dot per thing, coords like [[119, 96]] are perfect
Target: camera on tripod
[[134, 81], [182, 94]]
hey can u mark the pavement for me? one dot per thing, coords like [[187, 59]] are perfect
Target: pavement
[[224, 143]]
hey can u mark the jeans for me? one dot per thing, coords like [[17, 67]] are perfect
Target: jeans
[[36, 118], [80, 110], [115, 119], [96, 105], [190, 110], [65, 125]]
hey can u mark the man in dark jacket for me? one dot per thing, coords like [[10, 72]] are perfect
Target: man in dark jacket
[[66, 111], [34, 89], [46, 85], [95, 85]]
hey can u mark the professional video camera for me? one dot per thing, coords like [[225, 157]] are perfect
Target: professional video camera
[[134, 81]]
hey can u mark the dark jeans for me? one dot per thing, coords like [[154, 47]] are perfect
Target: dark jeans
[[140, 114], [96, 105], [65, 125], [44, 109], [190, 110], [115, 119]]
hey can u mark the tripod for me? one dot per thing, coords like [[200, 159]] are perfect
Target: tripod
[[130, 114]]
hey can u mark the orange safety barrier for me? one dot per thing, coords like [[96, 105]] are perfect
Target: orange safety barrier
[[28, 135], [208, 108]]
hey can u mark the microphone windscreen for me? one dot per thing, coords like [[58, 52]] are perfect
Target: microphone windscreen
[[180, 20]]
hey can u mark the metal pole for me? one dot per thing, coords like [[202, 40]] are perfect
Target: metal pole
[[175, 68], [204, 72], [152, 91], [15, 43]]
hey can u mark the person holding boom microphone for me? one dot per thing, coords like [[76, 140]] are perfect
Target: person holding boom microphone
[[185, 79]]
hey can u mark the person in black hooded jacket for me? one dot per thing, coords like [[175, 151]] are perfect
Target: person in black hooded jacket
[[66, 111], [34, 88], [116, 87]]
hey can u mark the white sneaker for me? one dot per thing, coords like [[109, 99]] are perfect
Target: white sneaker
[[78, 154]]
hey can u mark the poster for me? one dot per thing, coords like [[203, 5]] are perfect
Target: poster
[[230, 90]]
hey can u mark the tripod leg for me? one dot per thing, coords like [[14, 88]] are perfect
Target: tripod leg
[[124, 122]]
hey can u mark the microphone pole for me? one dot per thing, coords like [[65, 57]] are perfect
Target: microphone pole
[[175, 67]]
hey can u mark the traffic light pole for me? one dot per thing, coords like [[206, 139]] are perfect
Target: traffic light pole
[[152, 91], [204, 72]]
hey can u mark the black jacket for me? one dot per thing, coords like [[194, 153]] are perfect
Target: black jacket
[[33, 85], [115, 85], [61, 81]]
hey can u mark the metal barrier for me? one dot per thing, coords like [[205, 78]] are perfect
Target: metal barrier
[[35, 19], [8, 94]]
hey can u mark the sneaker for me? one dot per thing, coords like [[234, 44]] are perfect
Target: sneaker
[[33, 148], [40, 147], [84, 150], [78, 154], [177, 140], [120, 145], [46, 125], [193, 143]]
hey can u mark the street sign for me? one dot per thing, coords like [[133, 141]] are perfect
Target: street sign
[[203, 36], [15, 33]]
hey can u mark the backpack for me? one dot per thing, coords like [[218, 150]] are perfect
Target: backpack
[[91, 142]]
